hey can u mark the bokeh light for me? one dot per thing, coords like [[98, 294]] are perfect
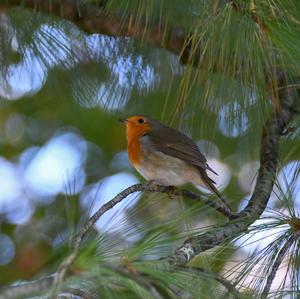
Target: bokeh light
[[120, 162], [23, 78], [14, 203], [7, 249], [57, 164], [55, 44]]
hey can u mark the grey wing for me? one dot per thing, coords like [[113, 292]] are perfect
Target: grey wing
[[178, 145]]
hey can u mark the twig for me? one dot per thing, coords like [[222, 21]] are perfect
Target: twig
[[280, 256]]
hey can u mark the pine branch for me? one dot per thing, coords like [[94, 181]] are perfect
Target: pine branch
[[272, 132], [251, 11], [93, 19], [27, 289], [197, 244], [61, 273], [280, 256], [140, 278], [147, 187], [274, 129], [226, 283], [57, 278]]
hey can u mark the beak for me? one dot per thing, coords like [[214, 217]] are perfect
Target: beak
[[124, 121]]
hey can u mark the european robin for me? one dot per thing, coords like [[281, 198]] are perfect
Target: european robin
[[165, 155]]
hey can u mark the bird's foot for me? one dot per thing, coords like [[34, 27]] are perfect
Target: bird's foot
[[170, 190], [156, 185], [153, 185], [150, 187], [172, 196]]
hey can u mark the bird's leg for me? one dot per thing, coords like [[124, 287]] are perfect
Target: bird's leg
[[152, 184], [170, 192]]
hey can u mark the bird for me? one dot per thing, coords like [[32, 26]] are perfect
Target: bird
[[166, 156]]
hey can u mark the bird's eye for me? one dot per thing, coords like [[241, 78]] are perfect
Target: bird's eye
[[141, 121]]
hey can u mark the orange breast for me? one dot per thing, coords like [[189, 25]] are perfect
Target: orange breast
[[134, 151], [134, 133]]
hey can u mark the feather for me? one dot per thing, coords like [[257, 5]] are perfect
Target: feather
[[176, 144]]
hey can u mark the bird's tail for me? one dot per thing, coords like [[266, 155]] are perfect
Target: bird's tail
[[211, 185]]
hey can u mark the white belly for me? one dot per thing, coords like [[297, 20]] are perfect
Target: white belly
[[168, 171], [169, 177]]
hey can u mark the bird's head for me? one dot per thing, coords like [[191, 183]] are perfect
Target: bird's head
[[136, 126]]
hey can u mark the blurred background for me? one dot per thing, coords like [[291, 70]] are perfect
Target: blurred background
[[63, 151]]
